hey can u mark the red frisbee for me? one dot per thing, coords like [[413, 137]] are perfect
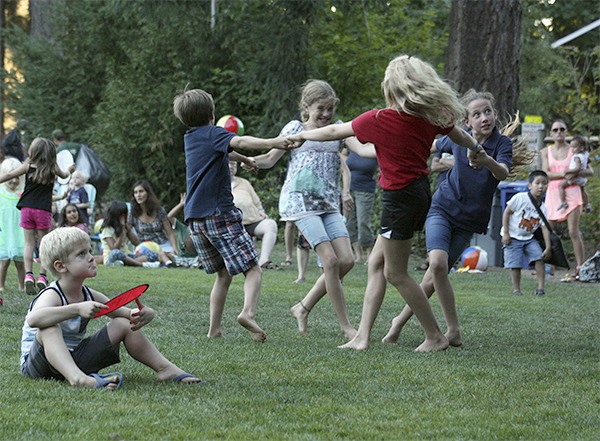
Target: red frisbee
[[123, 299]]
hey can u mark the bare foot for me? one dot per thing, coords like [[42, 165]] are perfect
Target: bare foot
[[454, 338], [299, 280], [349, 333], [356, 344], [300, 313], [433, 345], [173, 373], [217, 333], [391, 338], [250, 324]]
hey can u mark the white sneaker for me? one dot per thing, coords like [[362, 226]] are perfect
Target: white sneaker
[[151, 264]]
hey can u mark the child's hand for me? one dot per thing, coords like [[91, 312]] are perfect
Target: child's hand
[[570, 175], [182, 197], [477, 159], [90, 308], [506, 239], [283, 143], [71, 168], [348, 202], [249, 164], [547, 254], [296, 139], [141, 316]]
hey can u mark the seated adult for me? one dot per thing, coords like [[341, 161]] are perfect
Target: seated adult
[[255, 220], [150, 220]]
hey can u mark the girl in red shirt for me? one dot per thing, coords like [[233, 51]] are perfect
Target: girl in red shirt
[[420, 107]]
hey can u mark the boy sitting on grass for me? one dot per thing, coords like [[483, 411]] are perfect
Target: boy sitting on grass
[[519, 222], [53, 344]]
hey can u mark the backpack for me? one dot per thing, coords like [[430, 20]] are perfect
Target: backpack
[[590, 270]]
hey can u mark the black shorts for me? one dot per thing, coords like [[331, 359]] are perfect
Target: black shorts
[[250, 228], [91, 355], [404, 211]]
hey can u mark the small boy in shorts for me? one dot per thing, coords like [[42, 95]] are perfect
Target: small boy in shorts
[[215, 224], [519, 222], [53, 344]]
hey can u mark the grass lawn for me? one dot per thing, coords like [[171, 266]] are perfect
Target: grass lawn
[[529, 368]]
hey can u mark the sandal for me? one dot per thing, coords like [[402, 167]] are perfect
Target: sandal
[[269, 265], [286, 263]]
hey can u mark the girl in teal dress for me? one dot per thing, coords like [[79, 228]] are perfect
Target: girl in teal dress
[[12, 240]]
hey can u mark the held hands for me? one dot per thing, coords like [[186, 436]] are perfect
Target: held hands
[[296, 139], [477, 159], [250, 165], [140, 316], [283, 143], [89, 309], [71, 168]]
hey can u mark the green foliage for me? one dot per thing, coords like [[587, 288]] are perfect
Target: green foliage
[[528, 369], [109, 73], [563, 82]]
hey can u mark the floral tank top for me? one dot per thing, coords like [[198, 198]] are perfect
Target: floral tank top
[[311, 185]]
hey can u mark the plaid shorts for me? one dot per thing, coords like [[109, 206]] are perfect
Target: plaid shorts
[[222, 241]]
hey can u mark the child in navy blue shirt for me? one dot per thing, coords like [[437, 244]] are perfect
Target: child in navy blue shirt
[[215, 224]]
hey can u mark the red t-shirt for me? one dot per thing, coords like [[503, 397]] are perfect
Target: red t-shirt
[[402, 143]]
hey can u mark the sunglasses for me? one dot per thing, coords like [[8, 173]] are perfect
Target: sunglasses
[[559, 129]]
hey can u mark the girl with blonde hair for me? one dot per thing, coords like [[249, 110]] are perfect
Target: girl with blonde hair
[[310, 197], [420, 106]]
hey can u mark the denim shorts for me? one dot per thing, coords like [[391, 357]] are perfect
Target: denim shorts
[[325, 227], [441, 234], [91, 355], [517, 250], [222, 241]]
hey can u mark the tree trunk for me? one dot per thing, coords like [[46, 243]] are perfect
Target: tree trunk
[[39, 16], [483, 50]]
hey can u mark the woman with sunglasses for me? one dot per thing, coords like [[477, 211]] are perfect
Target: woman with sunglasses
[[555, 162]]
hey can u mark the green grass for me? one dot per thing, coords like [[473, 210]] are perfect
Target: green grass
[[528, 369]]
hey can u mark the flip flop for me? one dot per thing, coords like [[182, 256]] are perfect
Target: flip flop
[[102, 382], [179, 379]]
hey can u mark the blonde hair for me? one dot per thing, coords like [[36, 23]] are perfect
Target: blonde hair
[[58, 244], [8, 165], [81, 175], [194, 107], [42, 153], [313, 91], [413, 86]]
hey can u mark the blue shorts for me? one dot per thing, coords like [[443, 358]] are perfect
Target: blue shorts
[[322, 228], [403, 211], [91, 355], [222, 242], [441, 234], [519, 252]]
